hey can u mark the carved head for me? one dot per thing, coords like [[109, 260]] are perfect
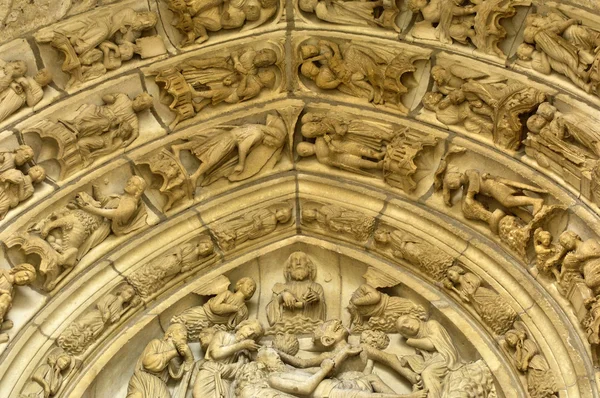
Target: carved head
[[529, 34], [525, 52], [135, 186], [408, 326], [454, 273], [246, 286], [24, 274], [431, 100], [330, 333], [144, 20], [382, 236], [267, 78], [142, 102], [309, 70], [375, 338], [309, 50], [43, 77], [547, 111], [308, 5], [283, 214], [417, 5], [127, 50], [37, 174], [63, 362], [252, 11], [511, 338], [205, 337], [15, 68], [127, 293], [299, 267], [305, 149], [536, 123], [542, 237], [249, 329], [265, 57], [23, 154], [270, 359], [176, 332], [569, 240], [440, 75], [205, 247], [286, 342], [268, 3]]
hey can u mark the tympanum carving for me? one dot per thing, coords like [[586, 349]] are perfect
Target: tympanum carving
[[93, 131], [65, 236], [94, 44], [17, 89]]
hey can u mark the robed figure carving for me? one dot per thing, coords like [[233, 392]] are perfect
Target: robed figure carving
[[299, 303]]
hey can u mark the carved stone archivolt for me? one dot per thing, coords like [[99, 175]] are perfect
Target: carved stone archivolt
[[305, 198]]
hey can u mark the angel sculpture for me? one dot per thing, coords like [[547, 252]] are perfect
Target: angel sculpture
[[259, 147], [195, 18], [482, 103], [197, 83], [357, 70]]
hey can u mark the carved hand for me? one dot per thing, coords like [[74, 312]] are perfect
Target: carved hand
[[250, 345], [289, 301]]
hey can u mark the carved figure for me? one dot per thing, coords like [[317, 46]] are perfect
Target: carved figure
[[17, 89], [47, 379], [374, 310], [258, 146], [16, 187], [556, 43], [94, 45], [298, 304], [252, 225], [490, 306], [95, 131], [528, 360], [376, 13], [151, 277], [437, 362], [494, 104], [579, 258], [162, 360], [84, 331], [238, 77], [338, 219], [591, 320], [68, 234], [426, 257], [546, 252], [476, 21], [226, 308], [21, 275], [15, 158], [567, 141], [357, 70], [224, 356], [195, 18]]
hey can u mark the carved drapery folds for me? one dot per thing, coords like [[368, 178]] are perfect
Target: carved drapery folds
[[329, 218]]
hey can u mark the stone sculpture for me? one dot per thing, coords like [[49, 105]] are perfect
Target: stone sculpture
[[566, 144], [360, 146], [224, 355], [579, 258], [591, 320], [252, 225], [66, 235], [227, 309], [84, 331], [18, 90], [426, 257], [16, 187], [21, 275], [162, 360], [94, 45], [298, 304], [376, 13], [546, 253], [374, 310], [339, 220], [196, 83], [482, 104], [94, 131], [16, 158], [194, 19], [513, 227], [151, 277], [437, 361], [236, 153], [555, 43], [491, 307], [528, 360], [472, 22], [358, 70], [48, 378]]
